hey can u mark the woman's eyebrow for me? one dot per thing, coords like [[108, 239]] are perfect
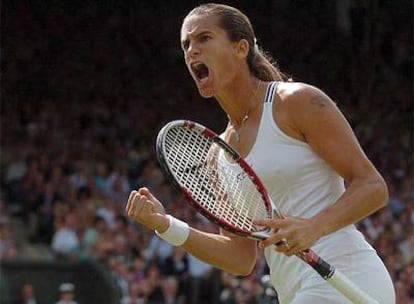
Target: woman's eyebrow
[[194, 34]]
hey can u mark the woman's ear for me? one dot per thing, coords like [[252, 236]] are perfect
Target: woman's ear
[[242, 48]]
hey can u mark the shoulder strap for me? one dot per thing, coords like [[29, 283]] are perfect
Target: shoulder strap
[[270, 93]]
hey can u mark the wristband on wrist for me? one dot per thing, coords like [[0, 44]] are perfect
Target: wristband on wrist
[[177, 233]]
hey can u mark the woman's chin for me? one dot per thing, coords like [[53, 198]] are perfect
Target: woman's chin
[[206, 92]]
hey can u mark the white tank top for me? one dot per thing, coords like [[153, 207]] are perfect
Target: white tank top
[[301, 184]]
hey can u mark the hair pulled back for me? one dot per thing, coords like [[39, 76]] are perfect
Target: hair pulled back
[[238, 26]]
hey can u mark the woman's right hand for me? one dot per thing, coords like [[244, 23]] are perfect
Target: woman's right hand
[[147, 210]]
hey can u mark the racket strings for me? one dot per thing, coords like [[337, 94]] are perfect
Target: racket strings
[[187, 153], [221, 187], [245, 197]]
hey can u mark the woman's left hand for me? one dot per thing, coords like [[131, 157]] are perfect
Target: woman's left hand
[[293, 234]]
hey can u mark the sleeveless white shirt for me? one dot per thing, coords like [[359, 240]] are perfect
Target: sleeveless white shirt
[[301, 184]]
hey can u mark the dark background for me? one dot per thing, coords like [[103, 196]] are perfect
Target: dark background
[[126, 56]]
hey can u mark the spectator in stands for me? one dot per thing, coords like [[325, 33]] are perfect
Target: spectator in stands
[[135, 294], [66, 294], [65, 242], [27, 295], [157, 250], [45, 211], [8, 248], [177, 265], [138, 269], [200, 276], [170, 288], [154, 280]]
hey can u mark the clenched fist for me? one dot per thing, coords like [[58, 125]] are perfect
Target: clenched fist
[[144, 208]]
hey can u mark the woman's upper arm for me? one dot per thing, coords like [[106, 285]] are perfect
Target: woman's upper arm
[[314, 118], [322, 125]]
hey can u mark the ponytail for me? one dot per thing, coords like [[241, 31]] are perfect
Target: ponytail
[[262, 65]]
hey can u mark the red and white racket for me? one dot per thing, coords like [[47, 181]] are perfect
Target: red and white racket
[[220, 185]]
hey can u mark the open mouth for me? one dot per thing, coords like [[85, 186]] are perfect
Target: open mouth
[[200, 70]]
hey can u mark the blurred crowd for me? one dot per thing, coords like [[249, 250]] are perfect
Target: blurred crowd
[[87, 85]]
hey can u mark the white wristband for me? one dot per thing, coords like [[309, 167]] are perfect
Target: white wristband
[[177, 233]]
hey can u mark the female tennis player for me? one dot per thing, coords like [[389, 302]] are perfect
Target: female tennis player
[[304, 151]]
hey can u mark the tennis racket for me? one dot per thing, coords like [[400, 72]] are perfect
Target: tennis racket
[[220, 185]]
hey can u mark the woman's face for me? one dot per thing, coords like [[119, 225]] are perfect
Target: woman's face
[[212, 59]]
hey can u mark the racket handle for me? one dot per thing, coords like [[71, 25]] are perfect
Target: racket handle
[[333, 276], [349, 289], [259, 235]]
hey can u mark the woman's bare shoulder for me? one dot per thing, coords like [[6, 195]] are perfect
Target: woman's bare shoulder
[[299, 91]]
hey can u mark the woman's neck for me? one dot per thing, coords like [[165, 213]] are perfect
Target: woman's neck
[[240, 100]]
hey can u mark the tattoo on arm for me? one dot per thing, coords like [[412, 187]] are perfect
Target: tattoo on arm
[[319, 101]]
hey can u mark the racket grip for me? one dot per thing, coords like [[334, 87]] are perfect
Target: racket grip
[[259, 235], [349, 289]]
